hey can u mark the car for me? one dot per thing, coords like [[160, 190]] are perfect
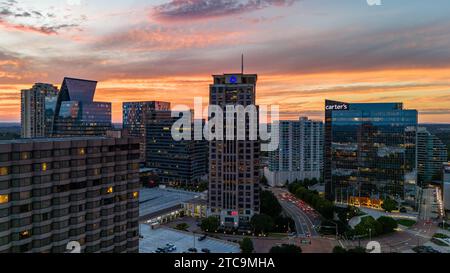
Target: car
[[205, 250], [202, 238], [192, 250], [170, 245]]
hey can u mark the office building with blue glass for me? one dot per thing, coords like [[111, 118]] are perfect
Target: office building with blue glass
[[370, 153], [76, 112]]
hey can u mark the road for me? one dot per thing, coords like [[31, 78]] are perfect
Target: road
[[305, 222]]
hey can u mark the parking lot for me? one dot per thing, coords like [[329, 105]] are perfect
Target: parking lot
[[183, 241]]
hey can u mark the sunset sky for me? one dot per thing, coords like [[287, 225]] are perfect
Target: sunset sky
[[303, 51]]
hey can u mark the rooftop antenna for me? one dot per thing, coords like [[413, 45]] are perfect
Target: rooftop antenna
[[242, 64]]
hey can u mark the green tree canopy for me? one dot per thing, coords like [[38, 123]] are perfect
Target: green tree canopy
[[388, 224], [247, 245], [210, 224], [389, 205], [286, 249], [270, 204], [262, 223]]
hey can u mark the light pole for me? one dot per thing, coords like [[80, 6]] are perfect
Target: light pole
[[370, 234]]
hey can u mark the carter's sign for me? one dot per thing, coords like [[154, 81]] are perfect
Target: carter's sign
[[335, 107]]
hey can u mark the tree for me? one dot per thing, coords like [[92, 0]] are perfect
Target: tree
[[262, 223], [210, 224], [339, 249], [182, 226], [388, 224], [357, 250], [389, 205], [264, 181], [368, 226], [286, 249], [247, 245], [270, 204]]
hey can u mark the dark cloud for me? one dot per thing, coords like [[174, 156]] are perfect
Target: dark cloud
[[200, 9]]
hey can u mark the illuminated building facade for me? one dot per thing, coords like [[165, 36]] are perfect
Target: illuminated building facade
[[370, 152], [76, 112], [54, 191], [234, 191], [38, 110]]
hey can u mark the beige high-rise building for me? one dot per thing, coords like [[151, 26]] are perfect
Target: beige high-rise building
[[234, 164], [37, 110]]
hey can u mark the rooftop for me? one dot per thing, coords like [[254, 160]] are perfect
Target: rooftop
[[41, 140], [154, 200]]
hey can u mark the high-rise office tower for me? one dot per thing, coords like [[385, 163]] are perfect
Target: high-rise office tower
[[76, 112], [182, 162], [431, 153], [370, 152], [234, 164], [134, 115], [55, 191], [37, 110], [300, 152]]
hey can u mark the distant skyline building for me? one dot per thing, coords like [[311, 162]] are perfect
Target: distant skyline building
[[57, 190], [370, 152], [300, 152], [178, 163], [446, 186], [431, 154], [234, 190], [76, 112], [134, 118], [37, 110]]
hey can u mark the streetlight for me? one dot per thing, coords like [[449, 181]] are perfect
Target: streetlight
[[370, 234]]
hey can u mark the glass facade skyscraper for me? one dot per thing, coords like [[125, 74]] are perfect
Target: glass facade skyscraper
[[370, 152], [76, 112]]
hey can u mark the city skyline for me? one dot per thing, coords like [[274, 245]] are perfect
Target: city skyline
[[303, 51]]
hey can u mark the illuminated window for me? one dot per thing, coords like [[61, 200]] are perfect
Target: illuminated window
[[135, 195], [4, 171], [4, 198], [44, 167], [110, 190], [25, 234], [25, 155], [81, 151]]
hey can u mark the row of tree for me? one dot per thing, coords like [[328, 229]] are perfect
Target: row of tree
[[372, 227], [320, 204]]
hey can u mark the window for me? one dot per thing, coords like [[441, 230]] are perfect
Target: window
[[25, 234], [110, 190], [135, 195], [4, 171], [4, 198], [44, 167]]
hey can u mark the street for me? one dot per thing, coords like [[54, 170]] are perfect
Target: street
[[305, 218]]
